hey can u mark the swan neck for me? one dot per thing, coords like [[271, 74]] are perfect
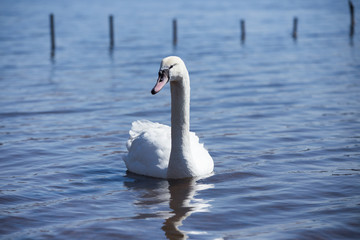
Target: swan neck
[[180, 113], [180, 163]]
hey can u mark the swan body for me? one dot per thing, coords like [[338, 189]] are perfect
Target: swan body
[[161, 151]]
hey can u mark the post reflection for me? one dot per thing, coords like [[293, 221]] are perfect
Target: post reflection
[[180, 194]]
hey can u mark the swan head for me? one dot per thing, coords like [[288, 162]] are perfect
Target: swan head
[[171, 70]]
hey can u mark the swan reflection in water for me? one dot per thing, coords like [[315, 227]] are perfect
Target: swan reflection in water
[[179, 194]]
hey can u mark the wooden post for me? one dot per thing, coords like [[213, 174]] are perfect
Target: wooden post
[[111, 28], [52, 33], [352, 18], [242, 26], [174, 32], [295, 23]]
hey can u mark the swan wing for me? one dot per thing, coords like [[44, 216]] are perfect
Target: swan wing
[[202, 159], [149, 147]]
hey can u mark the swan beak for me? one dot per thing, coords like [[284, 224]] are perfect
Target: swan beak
[[161, 81]]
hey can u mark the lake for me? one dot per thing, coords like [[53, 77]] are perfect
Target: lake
[[280, 117]]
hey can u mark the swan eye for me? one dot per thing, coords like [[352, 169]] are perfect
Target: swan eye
[[164, 74], [172, 66]]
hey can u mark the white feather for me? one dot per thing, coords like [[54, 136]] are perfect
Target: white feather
[[149, 145]]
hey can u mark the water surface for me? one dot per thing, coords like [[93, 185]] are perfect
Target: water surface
[[280, 118]]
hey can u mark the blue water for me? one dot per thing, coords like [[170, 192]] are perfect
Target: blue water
[[281, 119]]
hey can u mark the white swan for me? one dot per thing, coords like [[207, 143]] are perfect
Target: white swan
[[159, 151]]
